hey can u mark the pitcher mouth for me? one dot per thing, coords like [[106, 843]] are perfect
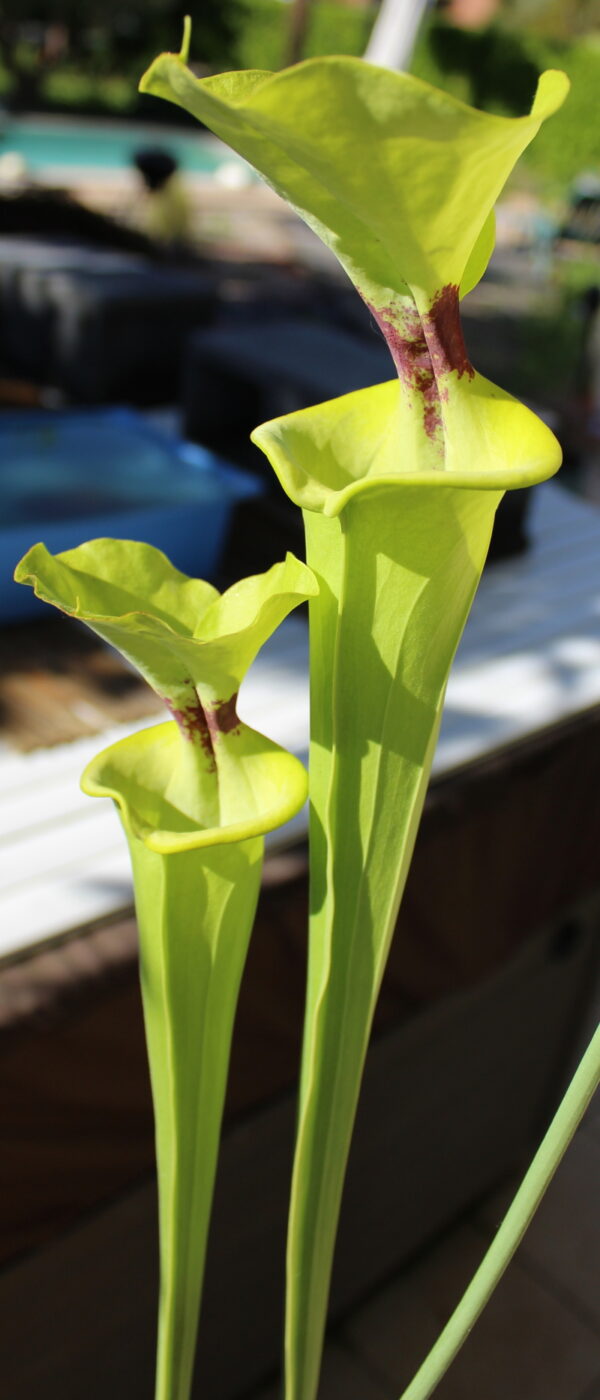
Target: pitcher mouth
[[494, 443], [134, 772]]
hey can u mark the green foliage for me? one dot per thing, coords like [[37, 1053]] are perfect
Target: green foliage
[[497, 70], [574, 144], [73, 88], [195, 798], [333, 28], [261, 36], [109, 43], [373, 210], [398, 485], [105, 44]]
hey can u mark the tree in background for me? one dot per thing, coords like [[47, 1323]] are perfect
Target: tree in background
[[495, 63], [298, 25], [107, 36]]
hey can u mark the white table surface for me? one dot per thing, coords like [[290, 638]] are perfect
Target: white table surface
[[529, 657]]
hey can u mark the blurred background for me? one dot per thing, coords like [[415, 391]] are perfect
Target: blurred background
[[157, 301], [84, 157], [138, 255]]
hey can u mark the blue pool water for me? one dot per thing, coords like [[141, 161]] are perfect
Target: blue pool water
[[104, 145]]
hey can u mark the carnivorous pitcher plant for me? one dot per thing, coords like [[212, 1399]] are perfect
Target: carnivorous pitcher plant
[[399, 485], [196, 796]]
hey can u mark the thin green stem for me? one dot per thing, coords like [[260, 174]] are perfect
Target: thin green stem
[[508, 1237]]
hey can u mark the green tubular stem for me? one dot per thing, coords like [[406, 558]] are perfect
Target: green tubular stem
[[195, 912], [195, 798], [510, 1233], [397, 573]]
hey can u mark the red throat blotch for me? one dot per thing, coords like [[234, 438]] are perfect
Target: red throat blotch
[[426, 349]]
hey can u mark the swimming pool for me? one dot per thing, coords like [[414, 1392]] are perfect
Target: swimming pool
[[104, 147]]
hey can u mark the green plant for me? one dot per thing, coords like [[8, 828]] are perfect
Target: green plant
[[398, 485], [332, 28], [496, 67], [94, 48], [195, 797]]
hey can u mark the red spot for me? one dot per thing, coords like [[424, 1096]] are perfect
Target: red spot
[[444, 335], [222, 718], [425, 350], [204, 725], [192, 722], [405, 336]]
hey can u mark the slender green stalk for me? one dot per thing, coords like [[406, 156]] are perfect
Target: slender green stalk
[[195, 913], [510, 1233]]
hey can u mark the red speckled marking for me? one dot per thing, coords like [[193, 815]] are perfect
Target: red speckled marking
[[425, 350], [192, 722], [444, 335], [204, 725], [410, 352], [222, 718]]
